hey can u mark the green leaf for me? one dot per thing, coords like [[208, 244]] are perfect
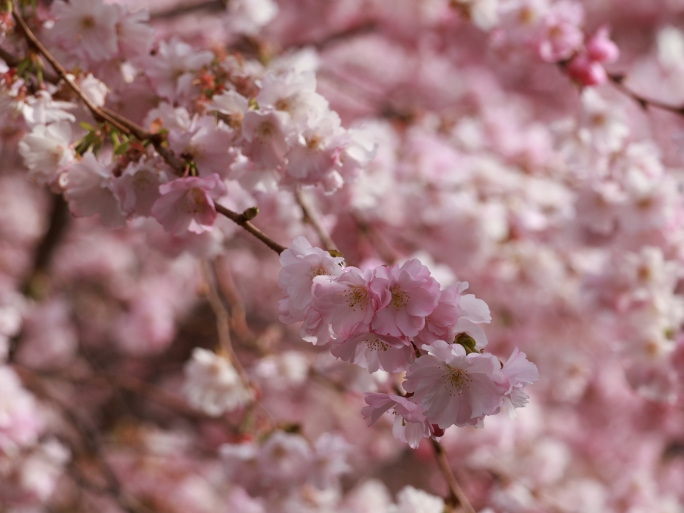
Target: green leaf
[[122, 148]]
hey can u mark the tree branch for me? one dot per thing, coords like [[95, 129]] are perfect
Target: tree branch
[[311, 217], [222, 321], [243, 221], [457, 495], [619, 83]]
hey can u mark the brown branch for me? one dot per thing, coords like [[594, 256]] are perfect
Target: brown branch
[[149, 391], [311, 218], [210, 6], [222, 321], [619, 83], [238, 314], [386, 253], [243, 221], [359, 29], [457, 495]]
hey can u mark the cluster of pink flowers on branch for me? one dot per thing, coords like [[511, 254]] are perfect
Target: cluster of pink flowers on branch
[[223, 119], [397, 319]]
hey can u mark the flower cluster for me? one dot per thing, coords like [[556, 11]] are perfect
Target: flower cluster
[[397, 319], [225, 123]]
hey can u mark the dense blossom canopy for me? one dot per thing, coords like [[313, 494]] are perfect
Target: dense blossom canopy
[[389, 256]]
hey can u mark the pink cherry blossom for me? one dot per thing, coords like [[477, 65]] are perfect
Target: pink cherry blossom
[[213, 385], [409, 423], [474, 312], [346, 302], [20, 420], [47, 151], [600, 48], [138, 186], [171, 70], [89, 191], [586, 71], [301, 264], [561, 35], [520, 372], [207, 143], [374, 352], [407, 295], [187, 204], [86, 28], [455, 388], [266, 137], [441, 323]]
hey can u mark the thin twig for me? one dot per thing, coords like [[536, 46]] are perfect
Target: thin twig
[[311, 217], [209, 7], [241, 220], [58, 222], [238, 315], [619, 83], [222, 321], [359, 29], [149, 391], [386, 253], [456, 491]]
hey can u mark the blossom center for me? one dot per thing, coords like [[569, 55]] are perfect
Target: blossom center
[[375, 344], [265, 131], [193, 201], [143, 179], [456, 381], [314, 142], [88, 22], [399, 297], [283, 104], [317, 271], [356, 297]]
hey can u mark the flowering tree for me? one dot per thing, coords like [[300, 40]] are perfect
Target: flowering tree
[[277, 256]]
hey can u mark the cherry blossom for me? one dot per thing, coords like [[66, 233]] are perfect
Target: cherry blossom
[[187, 204], [89, 191], [213, 385], [86, 28], [47, 151], [408, 294], [454, 387]]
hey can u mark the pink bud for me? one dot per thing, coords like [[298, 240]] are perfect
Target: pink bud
[[586, 71], [600, 48]]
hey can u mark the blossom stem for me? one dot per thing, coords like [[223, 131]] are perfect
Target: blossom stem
[[241, 220], [311, 217], [386, 253], [619, 83], [222, 320], [226, 285], [457, 493]]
